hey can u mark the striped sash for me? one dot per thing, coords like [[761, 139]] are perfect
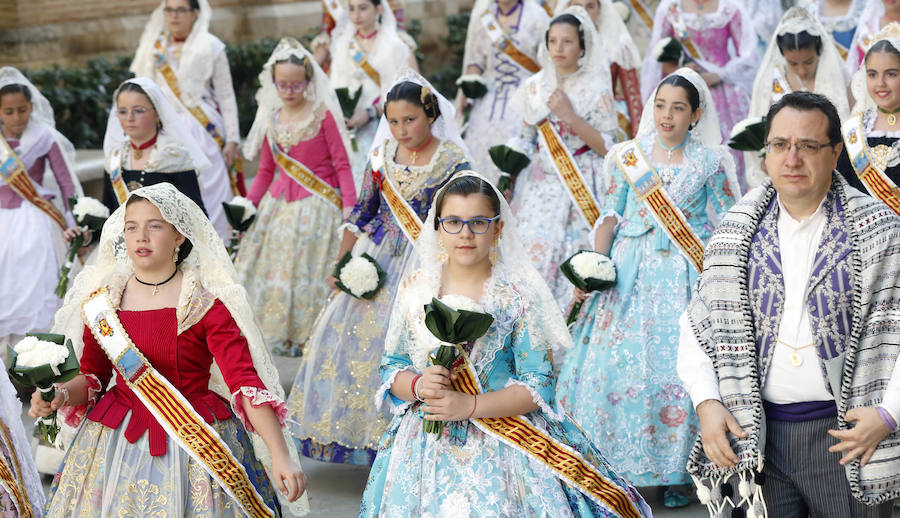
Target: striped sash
[[359, 57], [304, 176], [14, 174], [14, 484], [642, 13], [679, 28], [565, 463], [568, 173], [876, 182], [504, 44], [780, 86], [648, 186], [170, 408], [166, 71], [115, 176], [404, 214]]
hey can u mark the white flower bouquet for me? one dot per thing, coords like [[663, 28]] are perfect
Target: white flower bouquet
[[90, 215], [454, 320], [510, 160], [588, 271], [42, 360], [240, 213], [360, 277], [668, 50], [749, 135]]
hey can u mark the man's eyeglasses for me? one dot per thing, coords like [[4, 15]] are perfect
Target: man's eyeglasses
[[453, 225], [804, 147], [176, 11], [294, 88]]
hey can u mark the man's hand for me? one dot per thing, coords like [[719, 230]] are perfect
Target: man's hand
[[867, 433], [715, 424]]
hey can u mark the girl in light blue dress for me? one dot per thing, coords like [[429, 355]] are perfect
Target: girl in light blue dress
[[619, 382], [506, 450]]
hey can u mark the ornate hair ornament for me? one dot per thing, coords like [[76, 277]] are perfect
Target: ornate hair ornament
[[429, 101]]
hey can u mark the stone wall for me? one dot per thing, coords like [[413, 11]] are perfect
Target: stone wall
[[37, 33]]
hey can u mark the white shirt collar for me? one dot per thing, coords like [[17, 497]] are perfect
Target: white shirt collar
[[785, 218]]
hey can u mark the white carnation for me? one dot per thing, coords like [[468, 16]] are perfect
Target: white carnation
[[461, 302], [744, 124], [359, 275], [660, 47], [32, 352], [249, 209], [591, 265], [87, 206]]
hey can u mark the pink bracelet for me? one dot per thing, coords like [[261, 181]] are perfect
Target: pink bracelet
[[887, 418], [412, 387]]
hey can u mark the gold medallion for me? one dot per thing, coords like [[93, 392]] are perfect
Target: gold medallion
[[796, 359], [137, 152], [892, 119], [133, 185]]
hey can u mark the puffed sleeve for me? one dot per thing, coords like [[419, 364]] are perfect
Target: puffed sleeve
[[264, 174], [61, 173], [97, 370], [720, 192], [533, 369], [367, 204], [392, 364], [224, 89], [339, 160], [477, 48], [232, 354]]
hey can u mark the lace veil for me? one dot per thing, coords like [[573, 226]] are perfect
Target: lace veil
[[444, 127], [174, 137], [195, 66], [612, 35], [208, 264], [868, 24], [831, 80], [858, 86], [706, 132], [422, 280], [586, 87], [268, 103], [42, 114]]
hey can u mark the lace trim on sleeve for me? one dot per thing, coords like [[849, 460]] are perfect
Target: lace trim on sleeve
[[538, 400], [383, 395], [73, 415], [257, 397]]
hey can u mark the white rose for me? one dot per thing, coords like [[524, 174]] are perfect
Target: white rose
[[87, 206], [591, 265], [359, 275], [34, 353], [461, 302], [249, 209], [744, 124], [660, 47]]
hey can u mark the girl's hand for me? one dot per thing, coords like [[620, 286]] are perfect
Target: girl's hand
[[231, 152], [451, 406], [561, 106], [578, 295], [288, 477], [434, 383], [711, 78], [71, 232], [41, 408], [332, 282], [359, 119]]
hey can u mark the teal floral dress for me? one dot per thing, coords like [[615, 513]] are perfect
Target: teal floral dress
[[619, 381]]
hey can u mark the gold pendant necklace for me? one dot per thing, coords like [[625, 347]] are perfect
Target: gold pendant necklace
[[796, 359], [891, 115]]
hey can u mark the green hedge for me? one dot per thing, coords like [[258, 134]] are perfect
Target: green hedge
[[82, 96]]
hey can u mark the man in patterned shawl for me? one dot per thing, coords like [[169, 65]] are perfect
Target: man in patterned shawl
[[788, 347]]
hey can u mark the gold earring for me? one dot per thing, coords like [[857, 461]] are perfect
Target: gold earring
[[175, 255], [443, 256]]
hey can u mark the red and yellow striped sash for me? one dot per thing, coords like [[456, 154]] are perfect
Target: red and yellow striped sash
[[648, 187], [504, 44], [406, 217], [568, 173], [170, 408], [14, 484], [359, 57], [305, 177], [565, 463], [166, 71], [14, 173], [876, 182]]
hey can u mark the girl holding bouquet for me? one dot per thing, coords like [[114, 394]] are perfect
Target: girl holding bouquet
[[416, 150], [32, 246], [146, 143], [501, 391], [190, 65], [367, 52], [161, 310], [286, 254], [619, 382], [573, 94]]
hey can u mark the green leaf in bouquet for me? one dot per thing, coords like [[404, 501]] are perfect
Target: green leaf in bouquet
[[471, 325], [752, 138], [455, 326], [234, 213], [43, 375], [507, 159], [347, 100], [473, 89], [672, 52]]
